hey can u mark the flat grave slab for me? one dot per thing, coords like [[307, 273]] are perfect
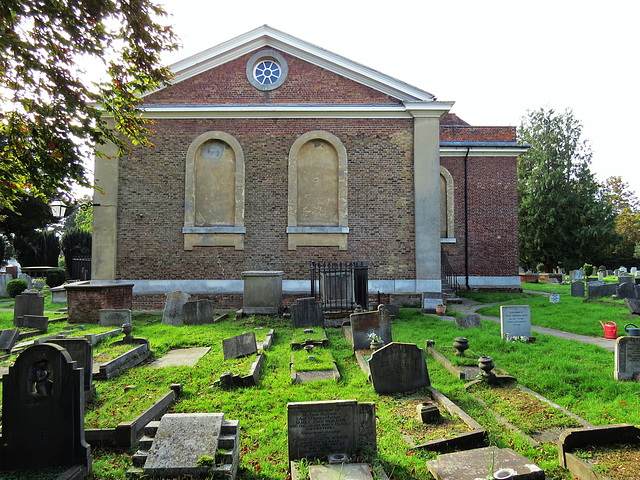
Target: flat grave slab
[[183, 357], [343, 471], [479, 462]]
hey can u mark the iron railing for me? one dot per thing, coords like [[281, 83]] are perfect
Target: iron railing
[[340, 286], [81, 268], [447, 272]]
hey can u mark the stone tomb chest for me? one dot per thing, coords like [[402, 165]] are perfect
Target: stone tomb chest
[[316, 429], [43, 411]]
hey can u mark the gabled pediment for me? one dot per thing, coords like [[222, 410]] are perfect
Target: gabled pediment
[[266, 36]]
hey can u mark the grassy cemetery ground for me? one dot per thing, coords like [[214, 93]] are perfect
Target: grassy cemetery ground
[[576, 376]]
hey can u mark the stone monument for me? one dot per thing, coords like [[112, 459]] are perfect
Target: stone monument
[[515, 321], [398, 367]]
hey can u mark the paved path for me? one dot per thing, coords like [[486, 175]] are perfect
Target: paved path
[[468, 307]]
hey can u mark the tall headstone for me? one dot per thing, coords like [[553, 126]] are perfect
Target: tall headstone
[[365, 323], [4, 279], [239, 346], [306, 312], [334, 426], [398, 367], [577, 289], [198, 312], [29, 302], [627, 358], [515, 321], [262, 292], [43, 411], [173, 308]]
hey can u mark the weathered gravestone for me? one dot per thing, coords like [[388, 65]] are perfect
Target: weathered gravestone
[[469, 321], [81, 352], [43, 411], [627, 358], [8, 339], [624, 278], [306, 312], [114, 317], [239, 346], [4, 279], [430, 300], [601, 289], [29, 302], [633, 270], [515, 321], [198, 312], [316, 429], [398, 367], [365, 323], [27, 278], [262, 292], [633, 305], [39, 322], [183, 438], [577, 289], [627, 290], [173, 308], [576, 275]]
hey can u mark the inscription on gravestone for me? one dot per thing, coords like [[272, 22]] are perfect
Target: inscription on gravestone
[[515, 321], [430, 300], [627, 358]]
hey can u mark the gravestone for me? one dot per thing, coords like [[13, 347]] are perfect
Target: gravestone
[[622, 270], [4, 279], [29, 302], [173, 308], [335, 426], [239, 346], [430, 300], [627, 290], [623, 278], [58, 295], [81, 352], [577, 289], [8, 339], [627, 358], [39, 322], [515, 321], [365, 323], [306, 312], [197, 312], [43, 411], [262, 292], [469, 321], [576, 275], [27, 278], [633, 270], [183, 438], [554, 298], [398, 367], [633, 305], [610, 273], [601, 275], [114, 317]]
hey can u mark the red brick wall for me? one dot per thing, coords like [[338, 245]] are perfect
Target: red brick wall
[[85, 301], [463, 133], [305, 83]]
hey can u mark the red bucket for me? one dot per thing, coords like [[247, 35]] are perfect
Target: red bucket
[[610, 329]]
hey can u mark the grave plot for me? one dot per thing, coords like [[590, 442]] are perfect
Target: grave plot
[[309, 360], [458, 358], [136, 351], [243, 359], [601, 453], [316, 336]]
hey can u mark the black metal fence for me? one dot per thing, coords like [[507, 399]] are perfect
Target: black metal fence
[[447, 272], [340, 286], [80, 268]]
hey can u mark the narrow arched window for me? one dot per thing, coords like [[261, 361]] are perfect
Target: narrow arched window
[[446, 204]]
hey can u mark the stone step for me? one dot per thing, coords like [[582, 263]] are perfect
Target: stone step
[[134, 472], [151, 428], [139, 458], [145, 443]]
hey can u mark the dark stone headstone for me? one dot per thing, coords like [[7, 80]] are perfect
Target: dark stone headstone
[[306, 313], [627, 290], [197, 312], [30, 302], [335, 426], [35, 321], [577, 289], [624, 278], [365, 323], [469, 321], [43, 411], [633, 305], [595, 290], [81, 352], [398, 367], [239, 346], [627, 358], [8, 339]]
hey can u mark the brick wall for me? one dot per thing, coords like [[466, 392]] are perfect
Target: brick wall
[[85, 301]]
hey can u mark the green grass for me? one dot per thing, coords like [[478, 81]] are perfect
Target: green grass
[[321, 360], [300, 337]]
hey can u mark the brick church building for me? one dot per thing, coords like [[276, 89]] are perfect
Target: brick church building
[[270, 153]]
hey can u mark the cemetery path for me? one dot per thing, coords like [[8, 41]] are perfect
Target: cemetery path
[[468, 307]]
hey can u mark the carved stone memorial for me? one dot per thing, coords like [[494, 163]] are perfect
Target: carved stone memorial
[[114, 317], [398, 367], [515, 321], [307, 313], [43, 411], [81, 352], [336, 426], [627, 358], [430, 300], [364, 323]]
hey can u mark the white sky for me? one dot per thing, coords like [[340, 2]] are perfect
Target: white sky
[[495, 59]]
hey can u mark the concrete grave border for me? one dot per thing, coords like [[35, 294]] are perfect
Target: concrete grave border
[[251, 379], [127, 360]]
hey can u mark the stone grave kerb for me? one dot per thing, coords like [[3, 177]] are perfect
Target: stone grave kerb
[[364, 323], [398, 367], [43, 411]]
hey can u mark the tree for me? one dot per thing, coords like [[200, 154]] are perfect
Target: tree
[[626, 207], [50, 118], [564, 219]]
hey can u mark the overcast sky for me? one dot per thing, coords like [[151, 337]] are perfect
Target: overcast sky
[[495, 59]]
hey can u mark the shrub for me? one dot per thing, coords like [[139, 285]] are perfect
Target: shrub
[[588, 269], [16, 287], [540, 268], [75, 243], [56, 277]]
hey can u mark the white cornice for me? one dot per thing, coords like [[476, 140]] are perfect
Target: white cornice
[[428, 109], [496, 151], [266, 36]]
